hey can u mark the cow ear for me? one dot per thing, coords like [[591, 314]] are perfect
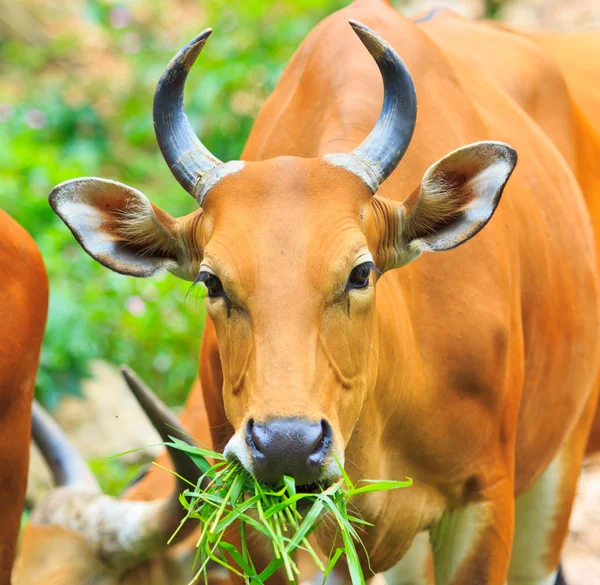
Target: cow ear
[[121, 229], [457, 197]]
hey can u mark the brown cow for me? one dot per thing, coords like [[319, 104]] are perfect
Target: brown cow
[[23, 308], [474, 372]]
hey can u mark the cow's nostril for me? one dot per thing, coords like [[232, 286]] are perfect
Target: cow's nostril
[[253, 438], [262, 439], [322, 444]]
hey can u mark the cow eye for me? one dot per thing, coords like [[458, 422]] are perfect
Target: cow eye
[[359, 277], [213, 284]]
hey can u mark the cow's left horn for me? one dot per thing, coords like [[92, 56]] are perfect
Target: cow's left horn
[[381, 151], [186, 156], [67, 466]]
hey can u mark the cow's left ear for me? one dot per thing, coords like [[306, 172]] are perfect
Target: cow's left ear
[[457, 197], [121, 229]]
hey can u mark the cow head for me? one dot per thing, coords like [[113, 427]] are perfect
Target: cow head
[[77, 535], [290, 251]]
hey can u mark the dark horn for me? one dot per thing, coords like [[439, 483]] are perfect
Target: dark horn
[[186, 156], [384, 147], [66, 464], [165, 423]]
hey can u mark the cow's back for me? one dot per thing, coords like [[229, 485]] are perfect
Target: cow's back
[[548, 75], [578, 56]]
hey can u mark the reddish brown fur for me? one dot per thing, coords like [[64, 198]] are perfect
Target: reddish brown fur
[[23, 307], [460, 41], [281, 130], [576, 54]]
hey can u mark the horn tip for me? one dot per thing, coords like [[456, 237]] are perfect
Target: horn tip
[[191, 51], [131, 379], [137, 387], [203, 35], [200, 39], [370, 39], [126, 371], [360, 28], [356, 23]]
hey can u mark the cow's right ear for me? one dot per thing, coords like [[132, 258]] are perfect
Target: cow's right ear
[[456, 198], [121, 229]]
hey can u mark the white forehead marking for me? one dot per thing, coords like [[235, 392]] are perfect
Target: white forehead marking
[[212, 177], [364, 170]]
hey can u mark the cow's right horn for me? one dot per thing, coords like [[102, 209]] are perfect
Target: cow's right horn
[[186, 156], [380, 152]]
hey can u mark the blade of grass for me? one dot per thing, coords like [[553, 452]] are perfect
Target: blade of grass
[[238, 558], [270, 569], [379, 486], [333, 559], [174, 473], [354, 568], [347, 479]]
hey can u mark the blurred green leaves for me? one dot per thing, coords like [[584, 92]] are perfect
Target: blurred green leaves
[[78, 80]]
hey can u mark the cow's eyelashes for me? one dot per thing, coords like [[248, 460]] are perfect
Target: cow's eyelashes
[[212, 282], [360, 276]]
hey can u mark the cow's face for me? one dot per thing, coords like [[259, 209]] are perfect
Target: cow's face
[[290, 250], [290, 280]]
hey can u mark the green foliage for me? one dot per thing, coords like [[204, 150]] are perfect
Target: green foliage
[[230, 496], [78, 80], [493, 8], [114, 475]]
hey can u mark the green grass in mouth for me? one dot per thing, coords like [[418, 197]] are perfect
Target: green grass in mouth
[[285, 514]]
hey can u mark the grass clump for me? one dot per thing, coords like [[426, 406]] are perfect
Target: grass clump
[[283, 514]]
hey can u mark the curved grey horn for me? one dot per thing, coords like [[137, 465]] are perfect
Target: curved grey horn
[[381, 151], [66, 464], [165, 423], [186, 156]]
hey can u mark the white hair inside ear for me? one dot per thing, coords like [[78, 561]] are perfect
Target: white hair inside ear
[[118, 226], [458, 196]]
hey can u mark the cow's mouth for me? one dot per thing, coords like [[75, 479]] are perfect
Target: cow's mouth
[[315, 487]]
